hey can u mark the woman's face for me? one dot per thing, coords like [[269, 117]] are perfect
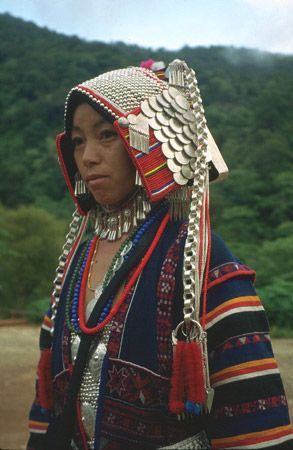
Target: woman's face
[[101, 158]]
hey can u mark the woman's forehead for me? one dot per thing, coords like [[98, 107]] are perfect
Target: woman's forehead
[[86, 114]]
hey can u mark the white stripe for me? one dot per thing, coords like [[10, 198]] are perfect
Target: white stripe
[[45, 327], [126, 316], [33, 430], [265, 444], [245, 376], [233, 311], [171, 183]]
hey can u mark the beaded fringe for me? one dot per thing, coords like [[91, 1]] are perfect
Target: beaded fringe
[[179, 201]]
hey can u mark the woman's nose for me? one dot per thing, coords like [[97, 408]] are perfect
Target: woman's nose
[[92, 153]]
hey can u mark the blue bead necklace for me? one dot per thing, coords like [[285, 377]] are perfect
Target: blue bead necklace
[[123, 254]]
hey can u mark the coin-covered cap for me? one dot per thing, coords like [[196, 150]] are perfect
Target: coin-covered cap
[[161, 124]]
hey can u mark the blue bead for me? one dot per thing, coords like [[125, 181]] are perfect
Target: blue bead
[[193, 408], [189, 406]]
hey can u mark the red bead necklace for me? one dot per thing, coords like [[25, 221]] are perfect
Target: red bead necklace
[[127, 288]]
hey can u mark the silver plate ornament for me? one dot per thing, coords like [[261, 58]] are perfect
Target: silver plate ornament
[[155, 105], [126, 249], [162, 101], [180, 179], [182, 102], [192, 164], [187, 132], [154, 124], [163, 118], [88, 417], [176, 145], [161, 136], [187, 172], [189, 116], [173, 92], [192, 127], [166, 95], [98, 290], [118, 263], [132, 119], [74, 347], [181, 158], [182, 138], [176, 126], [170, 112], [176, 107], [173, 166], [167, 150], [190, 150], [168, 132], [180, 118], [96, 360], [147, 110]]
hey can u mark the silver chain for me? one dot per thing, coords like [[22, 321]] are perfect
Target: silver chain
[[78, 222], [192, 281]]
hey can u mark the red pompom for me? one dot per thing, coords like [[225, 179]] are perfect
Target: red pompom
[[176, 398], [194, 373]]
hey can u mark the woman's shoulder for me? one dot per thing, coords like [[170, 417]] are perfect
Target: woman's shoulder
[[224, 264]]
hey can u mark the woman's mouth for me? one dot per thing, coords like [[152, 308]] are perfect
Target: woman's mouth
[[95, 180]]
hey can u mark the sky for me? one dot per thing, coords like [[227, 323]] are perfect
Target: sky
[[260, 24]]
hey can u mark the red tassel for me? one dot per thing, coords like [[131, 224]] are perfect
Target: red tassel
[[176, 398], [194, 372], [45, 386]]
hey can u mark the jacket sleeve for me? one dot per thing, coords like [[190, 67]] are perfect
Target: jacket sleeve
[[40, 413], [250, 408]]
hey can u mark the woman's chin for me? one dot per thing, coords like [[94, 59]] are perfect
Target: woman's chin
[[112, 202]]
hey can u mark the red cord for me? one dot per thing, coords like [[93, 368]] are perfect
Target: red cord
[[207, 268], [127, 288], [45, 379]]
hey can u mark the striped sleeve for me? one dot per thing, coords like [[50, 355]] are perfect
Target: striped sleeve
[[40, 413], [250, 410]]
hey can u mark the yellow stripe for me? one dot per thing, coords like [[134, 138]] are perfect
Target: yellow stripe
[[244, 365], [232, 302], [257, 434], [35, 422], [151, 172]]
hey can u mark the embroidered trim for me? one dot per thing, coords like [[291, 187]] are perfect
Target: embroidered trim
[[227, 271], [251, 407]]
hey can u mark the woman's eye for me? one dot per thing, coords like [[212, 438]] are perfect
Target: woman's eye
[[76, 141], [108, 134]]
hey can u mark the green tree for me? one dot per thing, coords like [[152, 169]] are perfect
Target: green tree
[[31, 240]]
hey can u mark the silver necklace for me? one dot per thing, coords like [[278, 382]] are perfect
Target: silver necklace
[[112, 224]]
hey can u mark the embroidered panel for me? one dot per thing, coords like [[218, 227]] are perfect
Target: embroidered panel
[[165, 299], [136, 385]]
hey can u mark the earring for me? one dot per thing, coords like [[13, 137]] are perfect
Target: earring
[[80, 187]]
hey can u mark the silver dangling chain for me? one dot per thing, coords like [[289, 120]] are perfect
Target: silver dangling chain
[[76, 229], [192, 281]]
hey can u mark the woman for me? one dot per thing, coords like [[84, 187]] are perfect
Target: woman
[[151, 313]]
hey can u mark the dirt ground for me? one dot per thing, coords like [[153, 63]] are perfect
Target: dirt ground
[[18, 359]]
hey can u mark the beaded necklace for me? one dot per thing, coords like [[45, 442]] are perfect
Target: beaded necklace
[[75, 299]]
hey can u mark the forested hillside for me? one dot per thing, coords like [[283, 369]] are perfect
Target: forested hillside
[[248, 100]]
